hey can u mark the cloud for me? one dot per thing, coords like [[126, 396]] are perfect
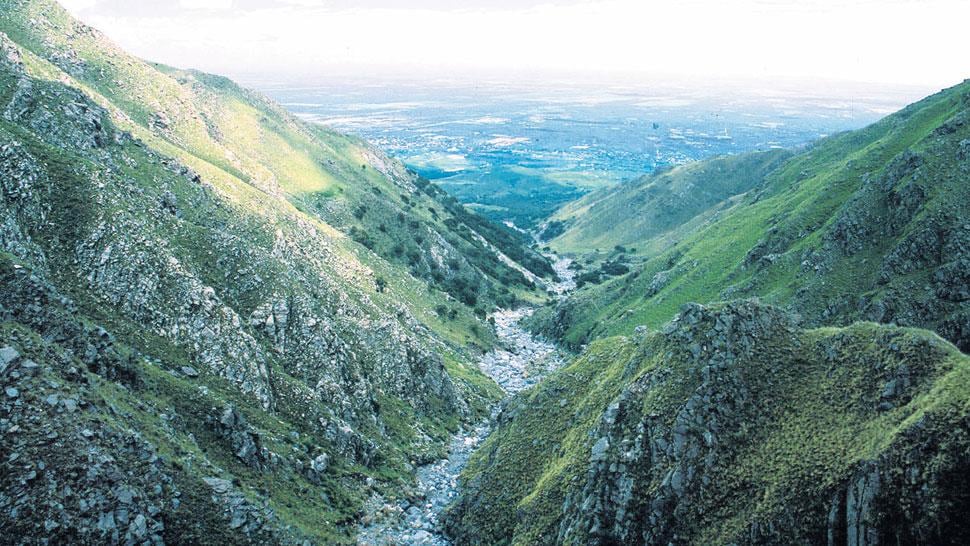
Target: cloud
[[206, 4], [78, 6], [305, 3], [829, 39]]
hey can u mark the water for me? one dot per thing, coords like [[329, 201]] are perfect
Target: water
[[519, 362]]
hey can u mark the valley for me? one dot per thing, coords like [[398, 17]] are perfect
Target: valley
[[519, 362], [488, 313], [517, 151]]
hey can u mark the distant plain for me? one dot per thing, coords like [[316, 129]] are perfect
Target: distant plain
[[518, 151]]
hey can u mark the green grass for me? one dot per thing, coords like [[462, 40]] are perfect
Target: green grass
[[806, 401], [790, 214], [641, 209], [808, 419], [267, 219]]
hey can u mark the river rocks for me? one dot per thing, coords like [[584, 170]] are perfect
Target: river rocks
[[437, 488], [565, 273], [524, 359], [521, 362], [515, 369]]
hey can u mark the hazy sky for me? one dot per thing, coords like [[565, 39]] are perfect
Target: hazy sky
[[917, 42]]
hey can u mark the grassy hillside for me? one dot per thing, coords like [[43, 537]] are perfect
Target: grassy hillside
[[210, 123], [217, 324], [732, 426], [742, 422], [869, 224], [638, 211]]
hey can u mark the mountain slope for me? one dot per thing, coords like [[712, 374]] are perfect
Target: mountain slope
[[208, 122], [636, 211], [205, 334], [733, 426], [867, 225], [745, 423]]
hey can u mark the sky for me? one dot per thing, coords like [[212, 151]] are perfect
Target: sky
[[920, 43]]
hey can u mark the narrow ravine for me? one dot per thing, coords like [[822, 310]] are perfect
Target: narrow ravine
[[519, 362]]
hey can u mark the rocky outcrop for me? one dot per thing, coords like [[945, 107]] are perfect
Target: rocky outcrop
[[852, 519], [645, 471], [136, 275], [19, 177], [646, 477], [243, 441], [734, 425]]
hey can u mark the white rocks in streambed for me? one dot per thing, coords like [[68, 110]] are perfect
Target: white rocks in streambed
[[524, 359], [567, 277], [519, 364]]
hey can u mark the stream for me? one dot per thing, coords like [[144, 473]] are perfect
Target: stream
[[518, 362]]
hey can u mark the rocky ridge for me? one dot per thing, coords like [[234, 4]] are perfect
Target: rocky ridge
[[733, 425]]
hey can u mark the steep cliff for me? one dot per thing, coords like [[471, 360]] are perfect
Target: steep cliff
[[733, 426]]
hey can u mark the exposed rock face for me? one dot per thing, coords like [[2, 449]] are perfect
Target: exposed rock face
[[852, 518], [921, 246], [244, 442], [734, 425], [132, 271], [128, 263], [19, 175], [647, 475], [203, 353], [621, 501]]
